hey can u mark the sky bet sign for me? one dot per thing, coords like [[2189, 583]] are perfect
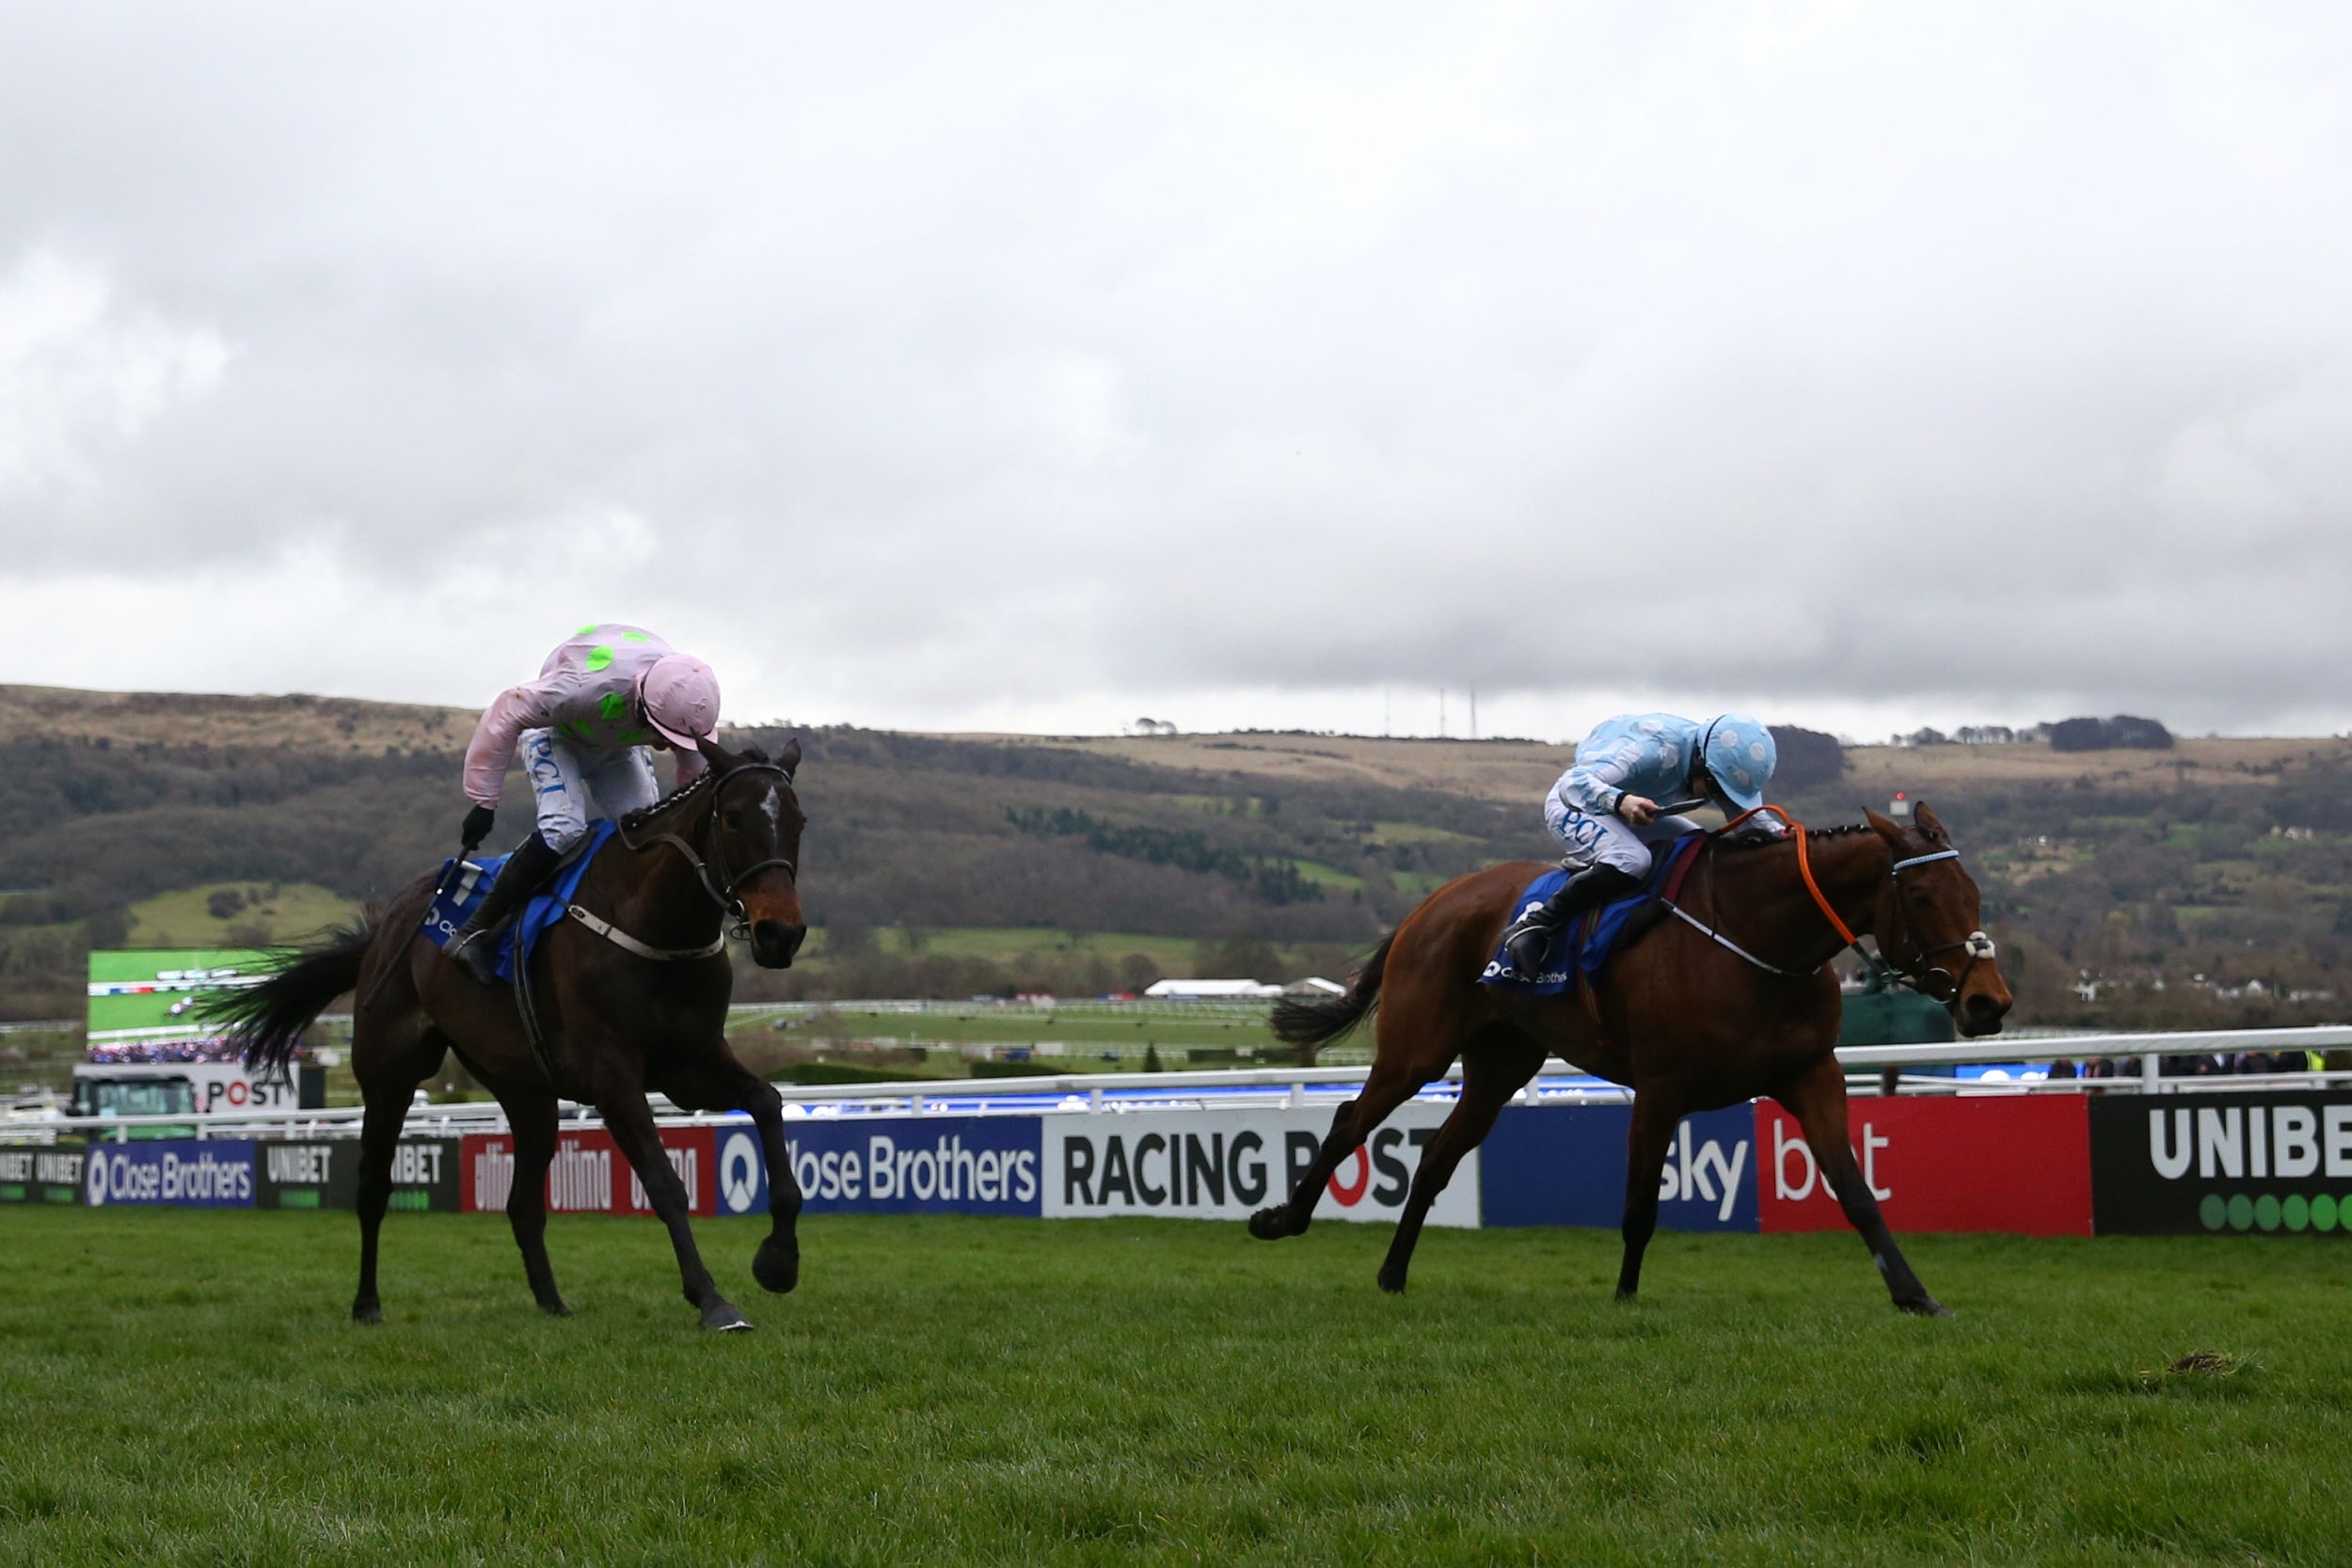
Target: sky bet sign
[[1566, 1165], [188, 1173]]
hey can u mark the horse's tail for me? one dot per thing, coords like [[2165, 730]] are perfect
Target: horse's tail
[[1310, 1024], [267, 1020]]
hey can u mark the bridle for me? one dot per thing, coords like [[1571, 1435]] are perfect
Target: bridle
[[1979, 946], [722, 889], [1918, 975]]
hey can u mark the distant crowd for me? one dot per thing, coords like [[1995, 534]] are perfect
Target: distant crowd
[[163, 1051], [2216, 1063]]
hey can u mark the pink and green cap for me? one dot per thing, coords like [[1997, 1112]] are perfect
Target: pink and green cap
[[680, 696]]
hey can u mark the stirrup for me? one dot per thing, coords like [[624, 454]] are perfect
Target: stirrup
[[1532, 924], [476, 953]]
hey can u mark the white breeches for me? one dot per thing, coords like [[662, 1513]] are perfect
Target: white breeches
[[1608, 841], [567, 780]]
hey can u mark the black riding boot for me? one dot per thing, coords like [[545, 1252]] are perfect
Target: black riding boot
[[1530, 936], [476, 945]]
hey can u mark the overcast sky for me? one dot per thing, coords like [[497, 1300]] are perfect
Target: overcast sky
[[1041, 366]]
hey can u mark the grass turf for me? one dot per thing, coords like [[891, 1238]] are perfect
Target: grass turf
[[183, 1387]]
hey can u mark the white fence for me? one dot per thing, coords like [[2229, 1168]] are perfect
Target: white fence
[[1117, 1093]]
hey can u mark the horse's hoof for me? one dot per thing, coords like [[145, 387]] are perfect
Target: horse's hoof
[[1626, 1296], [1926, 1306], [777, 1268], [1392, 1281], [555, 1308], [1271, 1224], [721, 1317], [367, 1311]]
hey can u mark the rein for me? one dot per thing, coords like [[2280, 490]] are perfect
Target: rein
[[1978, 945]]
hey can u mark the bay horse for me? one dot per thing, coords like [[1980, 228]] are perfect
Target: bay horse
[[1735, 1000], [640, 1004]]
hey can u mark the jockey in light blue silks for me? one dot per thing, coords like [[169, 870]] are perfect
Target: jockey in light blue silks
[[1605, 807]]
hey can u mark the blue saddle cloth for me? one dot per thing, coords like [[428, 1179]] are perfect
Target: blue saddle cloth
[[1582, 948], [459, 898]]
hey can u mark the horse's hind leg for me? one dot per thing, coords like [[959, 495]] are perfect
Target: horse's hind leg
[[1392, 1082], [1492, 1072], [1818, 1103], [630, 1122], [379, 1138], [390, 1066], [531, 1119], [1656, 1113]]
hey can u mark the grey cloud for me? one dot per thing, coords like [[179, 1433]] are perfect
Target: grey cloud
[[1985, 361]]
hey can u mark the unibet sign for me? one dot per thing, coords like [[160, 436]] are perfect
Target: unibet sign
[[2229, 1162], [42, 1173]]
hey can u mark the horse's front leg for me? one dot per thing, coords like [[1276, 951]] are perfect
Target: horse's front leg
[[1818, 1103], [720, 1083], [631, 1121]]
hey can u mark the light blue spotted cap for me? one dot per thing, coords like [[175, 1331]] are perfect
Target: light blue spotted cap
[[1740, 757]]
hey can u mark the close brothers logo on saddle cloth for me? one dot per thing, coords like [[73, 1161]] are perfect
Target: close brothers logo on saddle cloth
[[1582, 950], [458, 897]]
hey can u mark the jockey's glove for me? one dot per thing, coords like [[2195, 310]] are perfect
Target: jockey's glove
[[477, 827]]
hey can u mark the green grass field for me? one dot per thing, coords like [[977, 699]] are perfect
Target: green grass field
[[183, 1388], [265, 912], [1172, 1026]]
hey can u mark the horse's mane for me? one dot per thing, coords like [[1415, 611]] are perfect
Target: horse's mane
[[682, 796], [1757, 839]]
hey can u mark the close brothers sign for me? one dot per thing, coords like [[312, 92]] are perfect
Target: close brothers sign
[[2254, 1163]]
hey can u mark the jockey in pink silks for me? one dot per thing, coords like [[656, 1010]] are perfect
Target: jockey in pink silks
[[585, 730]]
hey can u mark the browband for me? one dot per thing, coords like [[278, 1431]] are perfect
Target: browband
[[1922, 860]]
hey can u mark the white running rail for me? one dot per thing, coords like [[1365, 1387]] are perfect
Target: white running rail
[[1112, 1093]]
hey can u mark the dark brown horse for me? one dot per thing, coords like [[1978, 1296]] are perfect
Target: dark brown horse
[[642, 1005], [1687, 1021]]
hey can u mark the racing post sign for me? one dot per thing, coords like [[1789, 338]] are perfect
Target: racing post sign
[[1225, 1165], [2224, 1163]]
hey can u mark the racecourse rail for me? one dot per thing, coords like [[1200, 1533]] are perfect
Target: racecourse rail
[[2138, 1154], [1295, 1087]]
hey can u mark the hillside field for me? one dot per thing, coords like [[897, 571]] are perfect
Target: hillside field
[[262, 913], [2206, 885], [183, 1388]]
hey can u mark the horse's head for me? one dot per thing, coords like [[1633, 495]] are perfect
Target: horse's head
[[1930, 924], [756, 823]]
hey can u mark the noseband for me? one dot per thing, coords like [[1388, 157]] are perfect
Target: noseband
[[723, 888]]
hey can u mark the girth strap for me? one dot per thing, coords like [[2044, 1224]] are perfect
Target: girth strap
[[627, 943]]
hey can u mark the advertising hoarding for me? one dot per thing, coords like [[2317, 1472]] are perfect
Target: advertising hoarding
[[188, 1173], [1226, 1164], [1998, 1163], [1566, 1165], [2248, 1164], [898, 1165], [324, 1173], [589, 1174], [42, 1173]]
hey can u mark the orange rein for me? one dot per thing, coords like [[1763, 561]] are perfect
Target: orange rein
[[1804, 869]]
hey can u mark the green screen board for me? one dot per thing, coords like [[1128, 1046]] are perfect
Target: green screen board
[[137, 990]]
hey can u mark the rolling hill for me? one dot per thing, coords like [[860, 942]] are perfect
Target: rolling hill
[[2209, 882]]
